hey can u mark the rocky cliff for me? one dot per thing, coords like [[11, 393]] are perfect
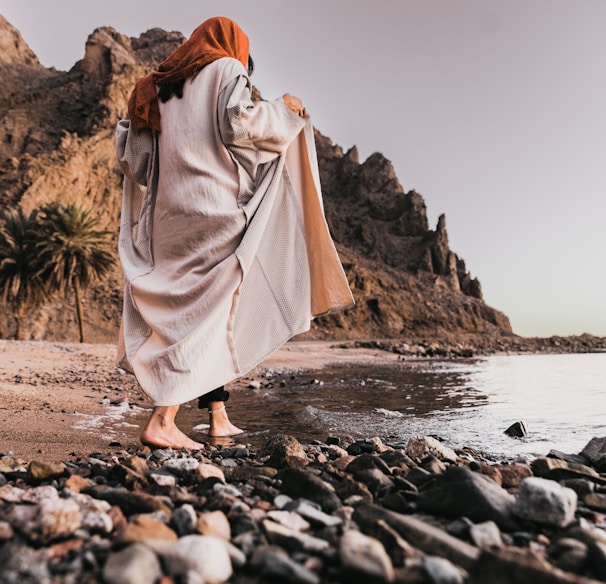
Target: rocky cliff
[[56, 143]]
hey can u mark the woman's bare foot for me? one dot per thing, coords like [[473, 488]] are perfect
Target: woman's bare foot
[[162, 432], [220, 424]]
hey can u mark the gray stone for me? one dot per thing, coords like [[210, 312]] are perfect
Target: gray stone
[[135, 564], [364, 556], [289, 519], [182, 467], [486, 535], [205, 555], [545, 502], [312, 512], [20, 564], [48, 521], [441, 571], [163, 478], [569, 554], [273, 564], [461, 492], [97, 522], [581, 487], [595, 452], [301, 483], [367, 462], [597, 559], [291, 539], [184, 520]]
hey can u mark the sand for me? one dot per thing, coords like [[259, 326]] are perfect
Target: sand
[[63, 400]]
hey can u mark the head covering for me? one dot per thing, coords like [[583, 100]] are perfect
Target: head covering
[[214, 39]]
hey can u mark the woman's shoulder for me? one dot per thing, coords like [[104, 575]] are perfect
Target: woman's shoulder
[[227, 66]]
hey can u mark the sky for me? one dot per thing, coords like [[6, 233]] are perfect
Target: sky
[[493, 110]]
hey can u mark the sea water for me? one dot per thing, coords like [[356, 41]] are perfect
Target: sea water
[[467, 403]]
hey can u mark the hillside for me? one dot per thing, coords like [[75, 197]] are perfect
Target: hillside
[[56, 143]]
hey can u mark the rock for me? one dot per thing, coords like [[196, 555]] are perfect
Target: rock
[[301, 483], [513, 474], [486, 535], [569, 554], [422, 535], [595, 452], [418, 447], [98, 522], [461, 492], [283, 451], [291, 539], [368, 462], [6, 531], [273, 564], [312, 512], [130, 502], [517, 430], [204, 555], [290, 519], [597, 559], [135, 564], [163, 478], [50, 520], [581, 487], [214, 523], [39, 472], [375, 481], [596, 501], [184, 520], [557, 470], [545, 502], [182, 467], [441, 571], [76, 483], [364, 557], [143, 527], [20, 564], [488, 470]]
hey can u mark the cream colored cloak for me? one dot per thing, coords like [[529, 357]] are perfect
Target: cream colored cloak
[[225, 249]]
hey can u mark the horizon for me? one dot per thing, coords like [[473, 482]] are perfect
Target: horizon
[[493, 113]]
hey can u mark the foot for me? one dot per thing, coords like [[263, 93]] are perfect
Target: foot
[[220, 426], [162, 433]]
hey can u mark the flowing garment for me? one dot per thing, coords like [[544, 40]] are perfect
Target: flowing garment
[[225, 249]]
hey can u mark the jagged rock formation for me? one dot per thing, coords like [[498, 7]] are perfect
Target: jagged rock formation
[[56, 143]]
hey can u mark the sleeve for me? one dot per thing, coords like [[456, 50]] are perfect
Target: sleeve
[[267, 127]]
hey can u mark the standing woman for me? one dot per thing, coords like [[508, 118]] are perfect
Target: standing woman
[[223, 242]]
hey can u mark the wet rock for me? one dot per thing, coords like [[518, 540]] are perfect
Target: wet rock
[[368, 462], [419, 447], [461, 492], [299, 483], [545, 502], [135, 564], [48, 521], [595, 453], [39, 472], [272, 563], [517, 430], [365, 557], [203, 555], [283, 451]]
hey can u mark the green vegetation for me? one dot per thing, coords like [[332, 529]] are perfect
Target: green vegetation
[[53, 249]]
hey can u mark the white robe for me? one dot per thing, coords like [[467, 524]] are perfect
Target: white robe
[[223, 242]]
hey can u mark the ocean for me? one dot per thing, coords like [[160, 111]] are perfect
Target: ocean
[[467, 403]]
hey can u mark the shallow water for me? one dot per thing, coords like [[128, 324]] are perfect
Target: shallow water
[[466, 402]]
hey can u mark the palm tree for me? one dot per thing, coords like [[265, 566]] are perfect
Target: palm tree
[[20, 280], [72, 251]]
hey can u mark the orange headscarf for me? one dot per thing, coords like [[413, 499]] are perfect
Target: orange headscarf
[[215, 38]]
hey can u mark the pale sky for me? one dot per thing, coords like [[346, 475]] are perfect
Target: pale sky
[[493, 110]]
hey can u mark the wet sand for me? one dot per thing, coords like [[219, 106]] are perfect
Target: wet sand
[[63, 400]]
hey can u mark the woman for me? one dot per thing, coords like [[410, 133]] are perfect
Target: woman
[[222, 239]]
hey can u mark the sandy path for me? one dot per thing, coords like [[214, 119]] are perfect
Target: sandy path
[[62, 400]]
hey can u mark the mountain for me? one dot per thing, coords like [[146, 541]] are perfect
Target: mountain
[[57, 143]]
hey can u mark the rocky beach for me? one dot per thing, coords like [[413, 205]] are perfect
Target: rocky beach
[[82, 501]]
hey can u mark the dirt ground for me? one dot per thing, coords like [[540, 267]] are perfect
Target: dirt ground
[[64, 400]]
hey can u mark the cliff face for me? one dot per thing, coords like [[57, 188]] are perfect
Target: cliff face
[[56, 143]]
